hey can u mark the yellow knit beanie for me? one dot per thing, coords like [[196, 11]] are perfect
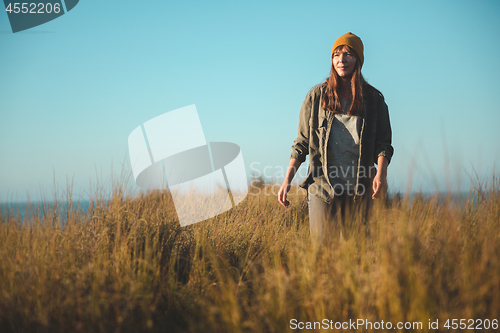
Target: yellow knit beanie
[[352, 41]]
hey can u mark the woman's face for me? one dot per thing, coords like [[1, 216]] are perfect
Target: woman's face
[[344, 61]]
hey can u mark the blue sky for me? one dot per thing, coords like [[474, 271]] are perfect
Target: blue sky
[[73, 89]]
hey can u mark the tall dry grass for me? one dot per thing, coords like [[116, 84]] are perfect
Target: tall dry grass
[[127, 266]]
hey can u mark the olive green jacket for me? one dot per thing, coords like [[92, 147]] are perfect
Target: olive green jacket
[[312, 139]]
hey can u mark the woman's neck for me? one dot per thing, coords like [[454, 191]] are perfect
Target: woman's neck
[[345, 88]]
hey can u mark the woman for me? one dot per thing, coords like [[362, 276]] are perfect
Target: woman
[[344, 127]]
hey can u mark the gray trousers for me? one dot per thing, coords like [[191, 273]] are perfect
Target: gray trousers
[[327, 220]]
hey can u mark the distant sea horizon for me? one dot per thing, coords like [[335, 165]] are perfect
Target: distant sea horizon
[[39, 208]]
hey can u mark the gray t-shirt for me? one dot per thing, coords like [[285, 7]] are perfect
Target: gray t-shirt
[[343, 150]]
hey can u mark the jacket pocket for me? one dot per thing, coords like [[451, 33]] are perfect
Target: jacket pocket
[[322, 122], [321, 130]]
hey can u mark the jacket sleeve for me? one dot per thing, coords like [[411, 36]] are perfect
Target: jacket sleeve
[[300, 147], [383, 140]]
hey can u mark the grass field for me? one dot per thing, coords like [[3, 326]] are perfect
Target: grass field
[[127, 266]]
